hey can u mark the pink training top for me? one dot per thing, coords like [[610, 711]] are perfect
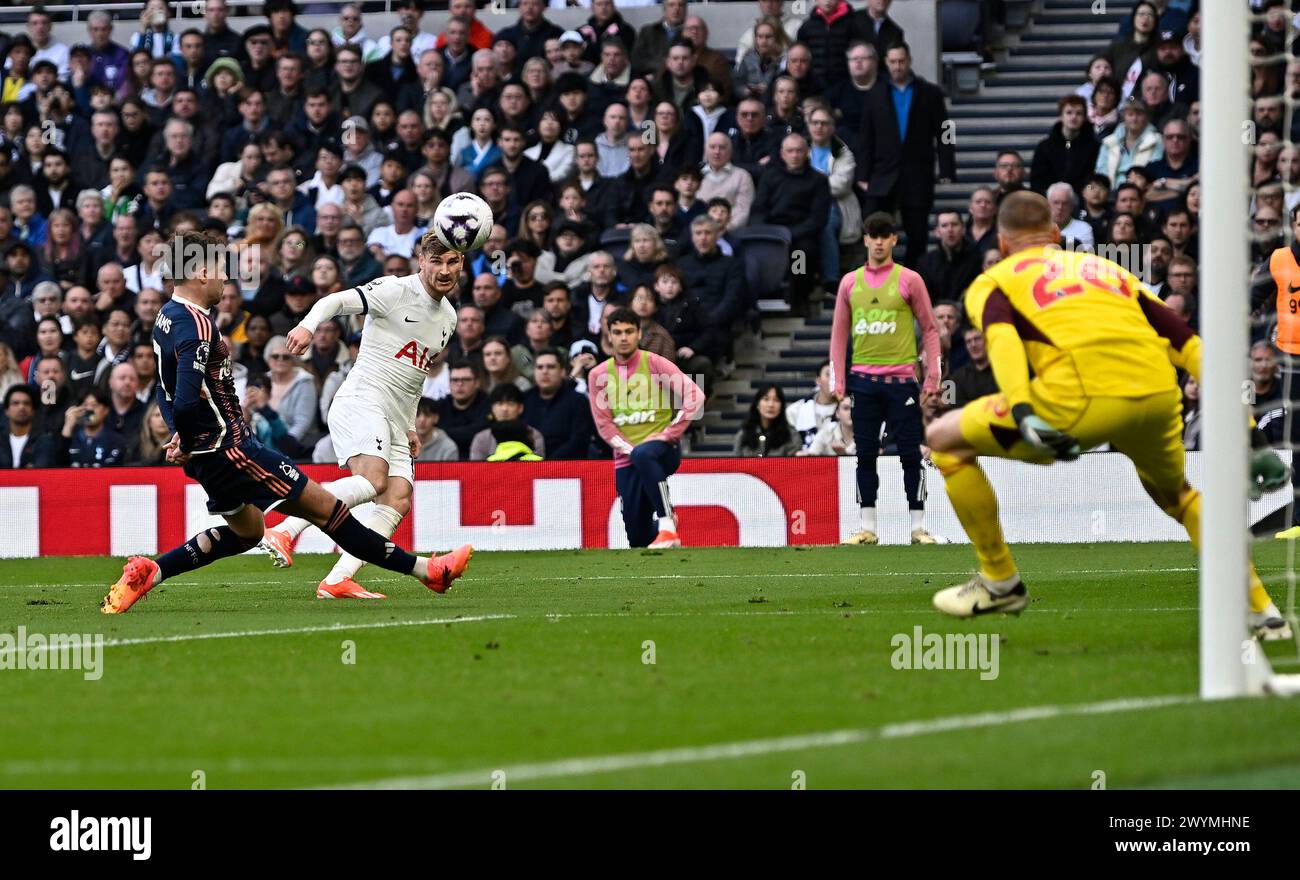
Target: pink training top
[[664, 374], [912, 289]]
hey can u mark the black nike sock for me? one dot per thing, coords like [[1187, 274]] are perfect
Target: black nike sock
[[206, 547], [364, 544]]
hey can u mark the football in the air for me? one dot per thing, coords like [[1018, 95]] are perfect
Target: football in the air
[[463, 222]]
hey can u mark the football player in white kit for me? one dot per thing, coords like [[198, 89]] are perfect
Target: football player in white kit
[[372, 419]]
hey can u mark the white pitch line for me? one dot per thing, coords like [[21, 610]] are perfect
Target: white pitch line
[[586, 766], [287, 631]]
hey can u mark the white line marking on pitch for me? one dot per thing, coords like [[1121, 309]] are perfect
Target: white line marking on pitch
[[287, 631], [587, 766]]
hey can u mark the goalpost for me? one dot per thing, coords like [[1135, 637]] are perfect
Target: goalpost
[[1229, 666]]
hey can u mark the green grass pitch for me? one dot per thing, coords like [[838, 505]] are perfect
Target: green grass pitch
[[772, 667]]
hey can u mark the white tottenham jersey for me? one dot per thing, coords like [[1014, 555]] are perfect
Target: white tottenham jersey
[[405, 328]]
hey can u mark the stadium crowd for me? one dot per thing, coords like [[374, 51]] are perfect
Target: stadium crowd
[[623, 167]]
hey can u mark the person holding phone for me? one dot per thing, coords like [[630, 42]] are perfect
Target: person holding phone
[[87, 440]]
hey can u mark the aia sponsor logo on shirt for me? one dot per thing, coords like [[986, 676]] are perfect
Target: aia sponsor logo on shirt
[[419, 356]]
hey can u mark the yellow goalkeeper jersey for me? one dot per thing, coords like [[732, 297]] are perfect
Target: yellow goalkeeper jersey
[[1087, 326]]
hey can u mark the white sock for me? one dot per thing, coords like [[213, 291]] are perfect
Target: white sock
[[351, 491], [668, 523], [918, 519], [868, 515], [1002, 587], [382, 519]]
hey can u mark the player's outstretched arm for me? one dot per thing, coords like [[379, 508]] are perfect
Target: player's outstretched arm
[[345, 302]]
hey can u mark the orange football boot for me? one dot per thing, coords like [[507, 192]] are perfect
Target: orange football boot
[[445, 569], [347, 589], [136, 580]]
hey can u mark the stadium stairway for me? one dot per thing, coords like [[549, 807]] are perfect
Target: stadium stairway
[[1014, 109]]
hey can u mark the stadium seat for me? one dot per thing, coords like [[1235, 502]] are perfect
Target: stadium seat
[[765, 251], [615, 240]]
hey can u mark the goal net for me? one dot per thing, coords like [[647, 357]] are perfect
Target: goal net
[[1245, 128]]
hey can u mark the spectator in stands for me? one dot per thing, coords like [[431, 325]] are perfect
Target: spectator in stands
[[1136, 142], [351, 94], [975, 378], [831, 156], [827, 33], [1182, 73], [521, 287], [766, 432], [654, 338], [1133, 49], [499, 368], [146, 369], [357, 264], [646, 252], [714, 63], [1103, 108], [791, 193], [652, 41], [874, 24], [787, 22], [897, 154], [400, 236], [1180, 280], [556, 409], [87, 438], [835, 436], [722, 179], [498, 318], [848, 96], [982, 231], [715, 280], [1075, 233], [758, 66], [1008, 174], [126, 412], [947, 317], [531, 31], [539, 334], [463, 413], [9, 373], [1069, 152], [21, 446], [1182, 235], [507, 405], [151, 445], [435, 443], [807, 416], [610, 79], [1153, 87], [606, 25], [467, 345], [603, 286], [752, 142], [663, 215], [949, 268], [294, 397], [1179, 168], [1098, 68]]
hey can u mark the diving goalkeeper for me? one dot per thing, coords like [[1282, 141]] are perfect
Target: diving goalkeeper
[[1103, 350]]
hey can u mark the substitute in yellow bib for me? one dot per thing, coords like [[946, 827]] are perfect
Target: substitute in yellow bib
[[1103, 350]]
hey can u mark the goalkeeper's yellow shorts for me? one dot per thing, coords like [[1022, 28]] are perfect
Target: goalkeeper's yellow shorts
[[1149, 430]]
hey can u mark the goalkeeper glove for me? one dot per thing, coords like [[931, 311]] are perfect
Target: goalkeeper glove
[[1042, 436], [1267, 471]]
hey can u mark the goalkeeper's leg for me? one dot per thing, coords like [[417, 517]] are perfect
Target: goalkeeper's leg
[[1153, 441], [997, 587]]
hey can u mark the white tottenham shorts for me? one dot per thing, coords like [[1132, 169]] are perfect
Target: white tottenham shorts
[[363, 427]]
